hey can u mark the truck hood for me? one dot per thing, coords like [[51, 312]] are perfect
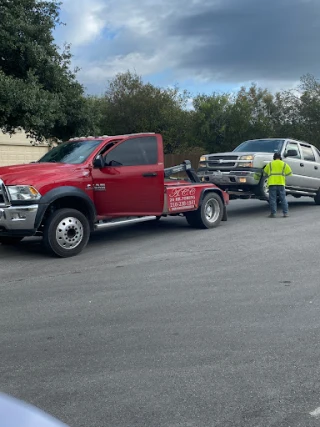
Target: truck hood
[[238, 153], [35, 173]]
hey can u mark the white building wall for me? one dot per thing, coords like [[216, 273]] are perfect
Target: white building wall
[[17, 149]]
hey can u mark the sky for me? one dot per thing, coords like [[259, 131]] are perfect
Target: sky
[[203, 46]]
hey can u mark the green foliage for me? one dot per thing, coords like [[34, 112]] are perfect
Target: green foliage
[[38, 92], [131, 106], [217, 122], [223, 121]]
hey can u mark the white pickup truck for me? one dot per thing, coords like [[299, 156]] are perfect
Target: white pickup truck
[[240, 172]]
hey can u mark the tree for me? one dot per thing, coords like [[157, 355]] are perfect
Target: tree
[[210, 120], [38, 91], [131, 106], [309, 108]]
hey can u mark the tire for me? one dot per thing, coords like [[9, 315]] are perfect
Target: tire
[[10, 241], [263, 191], [209, 214], [66, 233]]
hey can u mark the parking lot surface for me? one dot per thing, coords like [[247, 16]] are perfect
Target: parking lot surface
[[161, 325]]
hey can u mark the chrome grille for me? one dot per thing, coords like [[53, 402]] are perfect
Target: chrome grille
[[221, 162], [223, 158]]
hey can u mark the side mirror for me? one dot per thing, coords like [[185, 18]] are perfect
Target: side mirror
[[291, 153], [98, 162]]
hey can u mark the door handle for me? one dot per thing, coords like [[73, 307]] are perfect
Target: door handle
[[149, 174], [302, 164], [316, 167]]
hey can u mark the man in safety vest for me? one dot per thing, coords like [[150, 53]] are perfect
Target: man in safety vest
[[277, 171]]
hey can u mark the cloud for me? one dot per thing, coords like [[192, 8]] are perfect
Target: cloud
[[250, 39], [206, 41], [84, 21]]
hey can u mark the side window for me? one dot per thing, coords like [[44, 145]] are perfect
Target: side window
[[293, 146], [134, 152], [307, 153]]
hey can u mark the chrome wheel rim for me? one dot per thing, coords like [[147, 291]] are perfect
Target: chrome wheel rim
[[266, 188], [69, 233], [212, 210]]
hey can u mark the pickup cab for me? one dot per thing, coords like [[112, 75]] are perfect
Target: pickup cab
[[92, 183], [240, 172]]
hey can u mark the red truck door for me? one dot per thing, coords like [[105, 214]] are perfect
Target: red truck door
[[132, 182]]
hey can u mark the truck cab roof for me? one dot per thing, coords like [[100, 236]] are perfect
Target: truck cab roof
[[109, 137]]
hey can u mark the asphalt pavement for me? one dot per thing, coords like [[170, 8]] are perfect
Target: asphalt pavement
[[161, 325]]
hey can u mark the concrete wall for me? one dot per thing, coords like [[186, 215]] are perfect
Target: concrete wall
[[17, 149]]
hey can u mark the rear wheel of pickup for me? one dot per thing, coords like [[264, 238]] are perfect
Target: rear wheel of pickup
[[66, 233], [10, 241], [209, 214]]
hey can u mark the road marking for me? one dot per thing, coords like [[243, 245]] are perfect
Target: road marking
[[315, 413]]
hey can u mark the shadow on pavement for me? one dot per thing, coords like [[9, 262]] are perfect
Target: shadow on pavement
[[33, 246], [148, 229], [236, 209], [29, 247], [152, 229]]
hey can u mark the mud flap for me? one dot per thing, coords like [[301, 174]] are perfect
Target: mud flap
[[225, 214]]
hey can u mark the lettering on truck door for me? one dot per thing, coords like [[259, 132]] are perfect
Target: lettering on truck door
[[132, 180]]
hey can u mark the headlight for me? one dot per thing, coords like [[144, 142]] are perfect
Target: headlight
[[23, 192], [246, 164], [246, 157], [202, 162]]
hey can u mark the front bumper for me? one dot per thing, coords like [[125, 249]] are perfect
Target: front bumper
[[232, 178], [18, 220]]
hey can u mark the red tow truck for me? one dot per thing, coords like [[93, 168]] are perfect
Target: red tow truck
[[92, 183]]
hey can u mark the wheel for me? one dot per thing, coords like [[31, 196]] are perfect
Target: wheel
[[66, 233], [209, 214], [6, 240], [263, 191]]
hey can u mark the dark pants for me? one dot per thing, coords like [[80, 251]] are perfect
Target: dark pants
[[274, 191]]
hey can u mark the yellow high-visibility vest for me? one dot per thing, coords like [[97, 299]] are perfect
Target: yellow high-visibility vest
[[277, 170]]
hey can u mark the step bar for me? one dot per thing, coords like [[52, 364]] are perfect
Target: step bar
[[115, 223], [301, 193]]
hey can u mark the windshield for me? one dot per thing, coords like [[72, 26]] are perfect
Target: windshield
[[71, 152], [261, 146]]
